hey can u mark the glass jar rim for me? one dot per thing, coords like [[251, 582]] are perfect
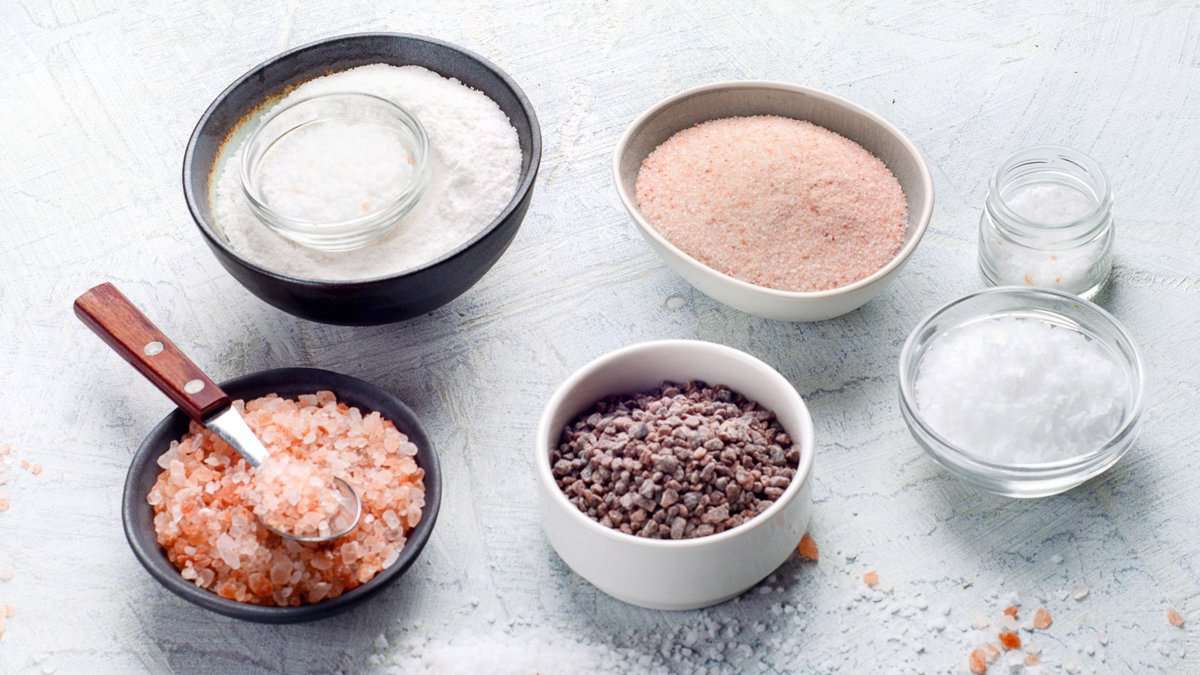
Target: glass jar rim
[[1017, 226], [397, 206], [967, 461]]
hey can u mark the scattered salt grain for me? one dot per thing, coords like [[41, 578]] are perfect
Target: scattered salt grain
[[1079, 592], [1042, 619], [1056, 559], [1175, 618], [808, 548], [1015, 390], [777, 202]]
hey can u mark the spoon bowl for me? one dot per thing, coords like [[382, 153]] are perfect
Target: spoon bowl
[[349, 498], [138, 516]]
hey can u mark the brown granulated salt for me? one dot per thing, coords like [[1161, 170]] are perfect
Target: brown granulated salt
[[774, 201], [204, 517], [676, 462]]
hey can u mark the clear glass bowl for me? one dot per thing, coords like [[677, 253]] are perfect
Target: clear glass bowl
[[294, 169], [1064, 309]]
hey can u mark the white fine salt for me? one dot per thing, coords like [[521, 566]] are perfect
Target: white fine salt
[[1013, 390], [474, 162], [1044, 261], [334, 170], [1050, 203]]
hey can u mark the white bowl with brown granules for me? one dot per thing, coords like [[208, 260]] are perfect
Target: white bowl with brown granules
[[644, 546], [779, 200]]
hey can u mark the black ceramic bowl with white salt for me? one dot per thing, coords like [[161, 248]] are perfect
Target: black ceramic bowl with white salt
[[383, 299]]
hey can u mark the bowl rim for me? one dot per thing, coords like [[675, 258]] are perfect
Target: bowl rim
[[926, 180], [166, 574], [1034, 471], [523, 186], [712, 349]]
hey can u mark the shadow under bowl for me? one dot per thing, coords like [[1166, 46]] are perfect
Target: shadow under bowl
[[736, 99], [138, 516], [384, 299]]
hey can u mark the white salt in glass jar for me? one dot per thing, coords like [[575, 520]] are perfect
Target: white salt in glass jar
[[335, 172], [1047, 222], [1023, 392]]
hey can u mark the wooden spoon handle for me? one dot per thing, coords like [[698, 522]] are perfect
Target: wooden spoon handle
[[111, 316]]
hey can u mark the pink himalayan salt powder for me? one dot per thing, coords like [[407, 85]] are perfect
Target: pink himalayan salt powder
[[205, 523], [777, 202], [297, 497]]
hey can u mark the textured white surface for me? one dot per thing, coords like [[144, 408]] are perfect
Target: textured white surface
[[98, 103]]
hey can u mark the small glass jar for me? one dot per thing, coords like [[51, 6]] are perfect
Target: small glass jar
[[335, 172], [1047, 222]]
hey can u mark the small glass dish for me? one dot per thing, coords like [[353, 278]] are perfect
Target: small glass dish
[[335, 172], [1059, 308]]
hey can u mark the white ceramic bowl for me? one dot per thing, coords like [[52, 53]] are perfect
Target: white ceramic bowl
[[729, 99], [685, 573]]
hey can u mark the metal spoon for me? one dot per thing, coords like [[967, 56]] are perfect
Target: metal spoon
[[124, 328]]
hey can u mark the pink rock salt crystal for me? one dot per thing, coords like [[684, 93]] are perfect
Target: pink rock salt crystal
[[297, 496], [777, 202], [203, 502]]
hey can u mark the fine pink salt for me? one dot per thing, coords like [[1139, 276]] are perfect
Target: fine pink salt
[[774, 201], [203, 502]]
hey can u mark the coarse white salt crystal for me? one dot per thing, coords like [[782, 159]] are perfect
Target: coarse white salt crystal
[[1056, 559], [1079, 592], [1015, 390]]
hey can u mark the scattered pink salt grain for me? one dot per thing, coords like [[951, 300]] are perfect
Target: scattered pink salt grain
[[777, 202], [1175, 618], [204, 509], [808, 548], [871, 579], [35, 469]]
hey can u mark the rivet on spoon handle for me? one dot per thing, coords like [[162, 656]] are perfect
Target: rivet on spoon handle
[[124, 328]]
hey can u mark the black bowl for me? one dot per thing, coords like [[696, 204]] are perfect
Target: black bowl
[[386, 299], [139, 517]]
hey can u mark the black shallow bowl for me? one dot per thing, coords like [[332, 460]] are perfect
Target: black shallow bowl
[[139, 517], [385, 299]]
